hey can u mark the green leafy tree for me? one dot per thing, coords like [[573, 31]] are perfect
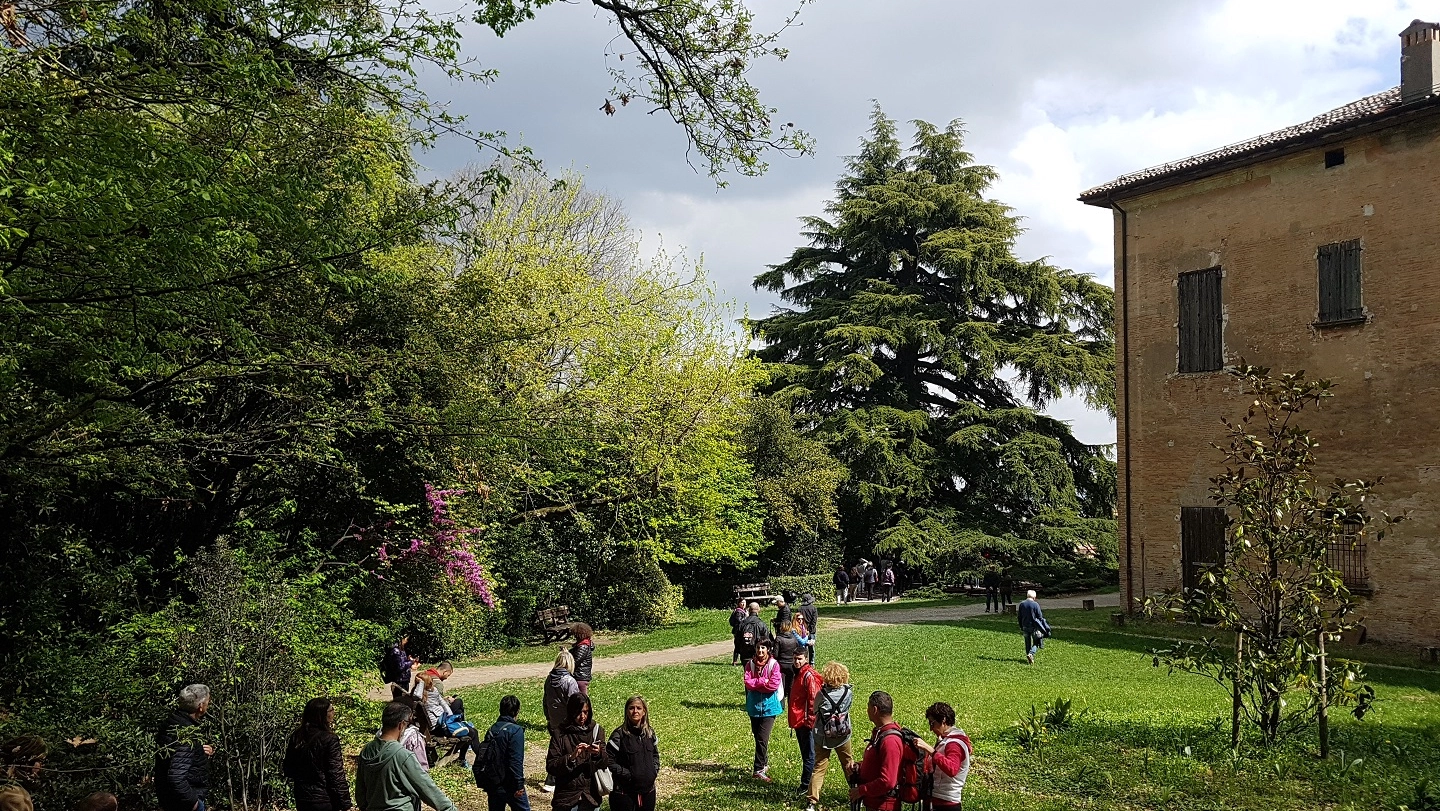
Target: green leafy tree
[[907, 311], [1276, 590], [796, 479]]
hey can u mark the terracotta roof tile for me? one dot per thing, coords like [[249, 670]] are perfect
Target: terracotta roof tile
[[1338, 118]]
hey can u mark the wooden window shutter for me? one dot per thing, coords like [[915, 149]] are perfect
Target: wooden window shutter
[[1339, 269], [1202, 347], [1202, 542]]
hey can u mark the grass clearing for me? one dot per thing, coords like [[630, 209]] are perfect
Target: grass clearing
[[1146, 739], [691, 626]]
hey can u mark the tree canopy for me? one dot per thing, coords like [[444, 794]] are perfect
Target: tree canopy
[[923, 351]]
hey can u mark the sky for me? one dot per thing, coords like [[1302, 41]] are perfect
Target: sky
[[1059, 96]]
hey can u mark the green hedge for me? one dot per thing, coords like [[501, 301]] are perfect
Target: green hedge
[[819, 585]]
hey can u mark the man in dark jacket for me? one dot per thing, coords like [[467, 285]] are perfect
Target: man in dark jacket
[[753, 630], [991, 582], [509, 736], [812, 619], [1032, 625], [842, 585], [783, 614], [737, 616], [181, 760]]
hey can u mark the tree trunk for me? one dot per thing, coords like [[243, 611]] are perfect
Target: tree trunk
[[1322, 675], [1236, 691]]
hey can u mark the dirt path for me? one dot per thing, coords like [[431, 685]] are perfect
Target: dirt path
[[488, 674]]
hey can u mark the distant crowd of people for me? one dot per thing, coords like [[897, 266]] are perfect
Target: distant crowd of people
[[585, 767], [864, 581]]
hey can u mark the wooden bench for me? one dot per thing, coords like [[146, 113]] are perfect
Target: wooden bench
[[755, 593], [553, 623]]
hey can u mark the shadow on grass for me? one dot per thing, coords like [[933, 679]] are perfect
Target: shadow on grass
[[699, 767], [712, 705]]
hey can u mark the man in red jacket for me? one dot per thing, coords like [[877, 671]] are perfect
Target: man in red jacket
[[879, 769], [803, 691]]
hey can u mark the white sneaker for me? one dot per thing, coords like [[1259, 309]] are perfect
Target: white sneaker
[[548, 789]]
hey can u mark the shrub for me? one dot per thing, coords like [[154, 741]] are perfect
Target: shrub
[[819, 585]]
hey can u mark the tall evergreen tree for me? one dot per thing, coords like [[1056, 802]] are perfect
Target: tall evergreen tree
[[923, 351]]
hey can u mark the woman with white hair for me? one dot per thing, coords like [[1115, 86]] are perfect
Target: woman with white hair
[[1032, 625], [181, 760], [559, 686]]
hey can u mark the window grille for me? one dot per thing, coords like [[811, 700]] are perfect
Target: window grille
[[1346, 555]]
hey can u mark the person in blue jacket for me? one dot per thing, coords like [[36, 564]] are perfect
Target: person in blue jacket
[[510, 737], [1032, 625]]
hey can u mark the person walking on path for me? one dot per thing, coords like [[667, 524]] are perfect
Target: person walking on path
[[737, 616], [857, 579], [634, 759], [832, 727], [1032, 625], [560, 686], [991, 582], [887, 582], [950, 755], [1007, 589], [871, 578], [811, 615], [764, 689], [583, 651], [398, 667], [803, 690], [507, 737], [574, 756], [181, 760], [879, 769], [387, 777], [842, 584], [314, 760]]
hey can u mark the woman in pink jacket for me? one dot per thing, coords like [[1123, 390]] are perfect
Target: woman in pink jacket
[[763, 690]]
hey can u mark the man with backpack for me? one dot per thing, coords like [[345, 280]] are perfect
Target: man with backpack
[[753, 631], [500, 760], [876, 781]]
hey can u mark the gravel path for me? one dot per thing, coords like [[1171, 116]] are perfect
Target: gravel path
[[488, 674]]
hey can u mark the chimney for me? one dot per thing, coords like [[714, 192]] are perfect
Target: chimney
[[1419, 61]]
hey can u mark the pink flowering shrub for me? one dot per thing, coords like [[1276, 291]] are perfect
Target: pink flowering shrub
[[445, 542]]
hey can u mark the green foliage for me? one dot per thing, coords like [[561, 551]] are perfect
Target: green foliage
[[795, 479], [908, 309], [1276, 589], [818, 585]]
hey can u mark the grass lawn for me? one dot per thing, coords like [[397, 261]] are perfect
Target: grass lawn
[[1146, 740], [691, 626]]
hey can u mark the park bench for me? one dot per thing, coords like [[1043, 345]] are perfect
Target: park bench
[[553, 623], [755, 593]]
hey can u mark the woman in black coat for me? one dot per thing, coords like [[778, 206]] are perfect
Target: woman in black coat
[[576, 752], [313, 761], [634, 759]]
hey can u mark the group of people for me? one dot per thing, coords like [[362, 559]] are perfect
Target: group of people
[[584, 766], [864, 580], [819, 713]]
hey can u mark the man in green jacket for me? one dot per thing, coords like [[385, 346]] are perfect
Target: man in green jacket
[[389, 778]]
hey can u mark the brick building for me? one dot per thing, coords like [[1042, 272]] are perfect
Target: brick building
[[1315, 247]]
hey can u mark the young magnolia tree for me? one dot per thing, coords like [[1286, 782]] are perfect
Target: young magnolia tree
[[1276, 590]]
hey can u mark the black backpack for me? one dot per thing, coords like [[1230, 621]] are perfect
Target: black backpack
[[833, 723], [490, 769]]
